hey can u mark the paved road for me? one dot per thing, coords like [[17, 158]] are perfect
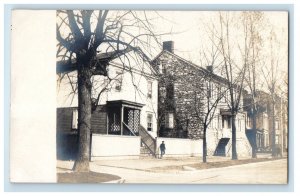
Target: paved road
[[270, 172]]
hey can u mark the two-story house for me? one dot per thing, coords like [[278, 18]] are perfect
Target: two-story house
[[124, 116]]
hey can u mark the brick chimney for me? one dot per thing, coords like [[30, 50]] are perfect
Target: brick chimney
[[209, 68], [169, 46]]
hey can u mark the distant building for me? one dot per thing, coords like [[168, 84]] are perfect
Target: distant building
[[264, 121]]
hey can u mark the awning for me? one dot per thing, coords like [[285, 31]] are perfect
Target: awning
[[124, 103]]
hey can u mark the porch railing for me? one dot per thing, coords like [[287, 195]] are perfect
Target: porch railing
[[148, 140]]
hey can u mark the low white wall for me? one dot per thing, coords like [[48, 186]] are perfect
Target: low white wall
[[115, 146], [181, 147]]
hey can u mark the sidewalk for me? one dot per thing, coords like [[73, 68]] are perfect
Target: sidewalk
[[145, 164], [144, 171], [171, 170], [148, 164]]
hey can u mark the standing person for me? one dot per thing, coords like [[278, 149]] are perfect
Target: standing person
[[162, 149]]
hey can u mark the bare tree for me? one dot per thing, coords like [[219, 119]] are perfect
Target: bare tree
[[252, 25], [205, 104], [274, 83], [206, 101], [87, 42], [234, 73]]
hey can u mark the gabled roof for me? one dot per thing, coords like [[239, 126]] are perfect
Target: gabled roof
[[205, 71], [104, 58]]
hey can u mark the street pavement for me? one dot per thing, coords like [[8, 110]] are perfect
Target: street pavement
[[140, 171], [270, 172]]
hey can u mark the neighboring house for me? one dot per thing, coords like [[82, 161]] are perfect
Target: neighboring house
[[264, 122], [125, 115], [180, 84]]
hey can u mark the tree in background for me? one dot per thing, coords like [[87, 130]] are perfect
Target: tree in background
[[252, 23], [234, 72], [277, 84]]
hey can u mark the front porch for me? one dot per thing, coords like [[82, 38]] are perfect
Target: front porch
[[123, 117]]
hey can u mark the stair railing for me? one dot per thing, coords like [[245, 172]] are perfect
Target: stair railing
[[128, 128], [148, 140]]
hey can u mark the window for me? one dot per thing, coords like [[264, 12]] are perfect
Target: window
[[219, 92], [149, 122], [75, 119], [118, 85], [170, 120], [149, 87], [224, 94], [227, 97], [267, 139], [208, 90], [276, 139], [276, 125], [212, 93], [118, 81], [162, 69]]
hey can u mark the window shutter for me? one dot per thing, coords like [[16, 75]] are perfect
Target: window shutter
[[75, 119]]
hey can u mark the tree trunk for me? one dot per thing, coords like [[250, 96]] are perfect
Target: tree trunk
[[274, 154], [254, 147], [204, 148], [233, 148], [84, 120]]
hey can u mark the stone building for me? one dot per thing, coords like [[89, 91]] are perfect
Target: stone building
[[184, 92]]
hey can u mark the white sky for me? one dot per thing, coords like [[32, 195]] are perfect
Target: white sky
[[189, 31], [191, 35]]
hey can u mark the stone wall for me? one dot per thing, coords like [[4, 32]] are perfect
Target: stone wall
[[179, 85]]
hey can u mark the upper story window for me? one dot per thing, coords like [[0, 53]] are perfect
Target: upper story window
[[170, 120], [118, 81], [208, 90], [219, 93], [276, 125], [212, 92], [160, 67], [149, 87]]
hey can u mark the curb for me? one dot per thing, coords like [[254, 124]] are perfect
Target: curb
[[120, 181], [220, 168]]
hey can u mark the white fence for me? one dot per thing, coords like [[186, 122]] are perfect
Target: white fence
[[115, 146], [181, 147]]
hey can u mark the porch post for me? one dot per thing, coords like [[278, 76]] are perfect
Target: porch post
[[107, 121], [122, 109]]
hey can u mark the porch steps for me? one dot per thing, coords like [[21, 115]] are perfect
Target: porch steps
[[148, 143], [145, 152], [221, 148]]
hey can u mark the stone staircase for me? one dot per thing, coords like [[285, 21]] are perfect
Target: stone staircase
[[145, 152], [148, 143], [221, 148]]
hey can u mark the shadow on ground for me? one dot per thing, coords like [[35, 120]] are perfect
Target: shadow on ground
[[86, 177], [208, 165]]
